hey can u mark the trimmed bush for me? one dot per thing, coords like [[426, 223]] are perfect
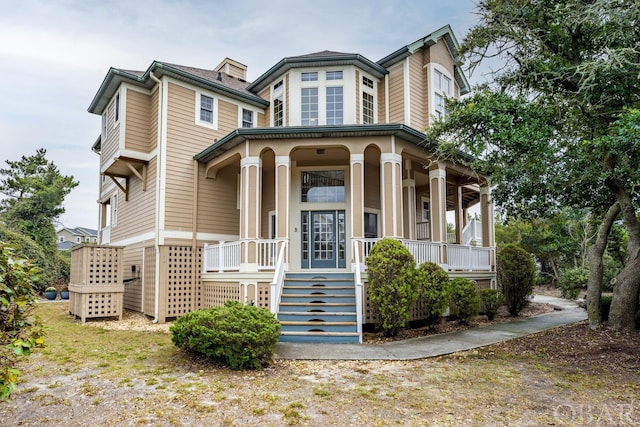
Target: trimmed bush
[[465, 299], [391, 292], [516, 276], [572, 281], [491, 300], [432, 284], [19, 331], [235, 335]]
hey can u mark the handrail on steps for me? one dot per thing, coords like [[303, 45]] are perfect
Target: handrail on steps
[[277, 282], [359, 289]]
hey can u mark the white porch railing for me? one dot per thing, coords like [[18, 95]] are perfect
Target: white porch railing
[[267, 253], [472, 233], [222, 257], [458, 257], [461, 257], [359, 288]]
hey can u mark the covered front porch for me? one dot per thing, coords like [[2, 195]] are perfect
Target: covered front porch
[[313, 201]]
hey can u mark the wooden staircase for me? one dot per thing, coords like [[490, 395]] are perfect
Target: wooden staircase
[[318, 307]]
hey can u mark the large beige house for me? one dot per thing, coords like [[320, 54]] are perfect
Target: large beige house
[[272, 192]]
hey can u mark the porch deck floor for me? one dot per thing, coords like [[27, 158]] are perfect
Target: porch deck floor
[[437, 345]]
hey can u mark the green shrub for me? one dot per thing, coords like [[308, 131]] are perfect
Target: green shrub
[[491, 300], [516, 276], [572, 281], [19, 331], [605, 306], [235, 335], [391, 292], [432, 285], [465, 300]]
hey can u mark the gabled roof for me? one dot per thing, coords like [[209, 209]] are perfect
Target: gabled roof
[[325, 58], [450, 40], [212, 80], [80, 231]]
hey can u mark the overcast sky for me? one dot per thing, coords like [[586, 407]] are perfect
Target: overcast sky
[[55, 53]]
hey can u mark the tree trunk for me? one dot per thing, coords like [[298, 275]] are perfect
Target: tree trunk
[[594, 254], [626, 291]]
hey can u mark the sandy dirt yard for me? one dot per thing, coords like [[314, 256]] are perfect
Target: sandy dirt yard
[[119, 376]]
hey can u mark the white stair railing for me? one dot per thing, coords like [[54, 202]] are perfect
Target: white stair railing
[[359, 288], [275, 291]]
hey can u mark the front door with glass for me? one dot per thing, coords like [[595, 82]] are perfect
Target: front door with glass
[[323, 239]]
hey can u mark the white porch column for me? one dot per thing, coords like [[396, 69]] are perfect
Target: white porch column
[[438, 202], [357, 202], [357, 195], [391, 194], [250, 208], [460, 221], [409, 201], [283, 187], [488, 220]]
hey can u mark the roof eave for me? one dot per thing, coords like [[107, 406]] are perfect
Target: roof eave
[[286, 64], [239, 135]]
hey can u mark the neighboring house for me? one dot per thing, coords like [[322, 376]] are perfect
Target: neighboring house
[[272, 192], [69, 237]]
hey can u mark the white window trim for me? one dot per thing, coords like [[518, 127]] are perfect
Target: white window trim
[[433, 67], [254, 117], [114, 210], [275, 94], [117, 108], [203, 123], [371, 91], [272, 222], [423, 200], [348, 94]]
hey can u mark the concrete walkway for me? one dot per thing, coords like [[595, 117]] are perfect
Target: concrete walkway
[[437, 345]]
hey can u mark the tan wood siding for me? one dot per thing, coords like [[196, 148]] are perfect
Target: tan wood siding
[[110, 145], [372, 186], [268, 200], [218, 202], [264, 120], [381, 101], [396, 94], [138, 115], [153, 119], [439, 53], [137, 215], [184, 139], [418, 92]]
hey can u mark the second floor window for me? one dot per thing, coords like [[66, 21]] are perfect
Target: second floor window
[[247, 118], [442, 89], [278, 112], [335, 106], [117, 108], [367, 108], [309, 106], [206, 109]]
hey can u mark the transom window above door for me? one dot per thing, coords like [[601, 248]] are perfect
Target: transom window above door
[[323, 186]]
